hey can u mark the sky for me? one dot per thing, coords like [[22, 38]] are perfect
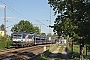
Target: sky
[[35, 11]]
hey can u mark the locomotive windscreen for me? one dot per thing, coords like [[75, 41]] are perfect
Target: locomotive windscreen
[[17, 36]]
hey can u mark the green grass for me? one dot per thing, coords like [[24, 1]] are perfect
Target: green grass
[[46, 54], [4, 43], [53, 47], [76, 52], [69, 52], [76, 49], [1, 45], [8, 43], [88, 53]]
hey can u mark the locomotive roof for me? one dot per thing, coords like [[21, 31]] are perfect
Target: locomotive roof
[[19, 33]]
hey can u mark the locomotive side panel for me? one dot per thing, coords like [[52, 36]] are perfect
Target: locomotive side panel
[[22, 39]]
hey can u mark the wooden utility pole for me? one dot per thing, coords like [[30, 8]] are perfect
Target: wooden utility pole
[[5, 22]]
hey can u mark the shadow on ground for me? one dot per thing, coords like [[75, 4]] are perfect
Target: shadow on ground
[[17, 55]]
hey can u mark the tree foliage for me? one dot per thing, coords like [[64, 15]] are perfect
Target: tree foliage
[[36, 30], [72, 17], [43, 34], [2, 27], [25, 26], [49, 34]]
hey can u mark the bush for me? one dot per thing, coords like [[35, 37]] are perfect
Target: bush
[[8, 43], [69, 51], [4, 43]]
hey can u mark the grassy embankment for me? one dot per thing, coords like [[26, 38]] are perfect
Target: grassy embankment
[[46, 54]]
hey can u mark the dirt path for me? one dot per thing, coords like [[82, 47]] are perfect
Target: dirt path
[[54, 54], [64, 54]]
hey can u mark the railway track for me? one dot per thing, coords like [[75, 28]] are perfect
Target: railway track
[[20, 53]]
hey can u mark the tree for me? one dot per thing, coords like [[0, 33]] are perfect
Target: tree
[[71, 18], [49, 34], [36, 30], [62, 21], [2, 27], [25, 26], [43, 34]]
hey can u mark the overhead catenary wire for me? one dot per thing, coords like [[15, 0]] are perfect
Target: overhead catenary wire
[[13, 10], [42, 23], [9, 26], [21, 11]]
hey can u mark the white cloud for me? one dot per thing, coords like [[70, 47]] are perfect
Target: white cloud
[[2, 6]]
